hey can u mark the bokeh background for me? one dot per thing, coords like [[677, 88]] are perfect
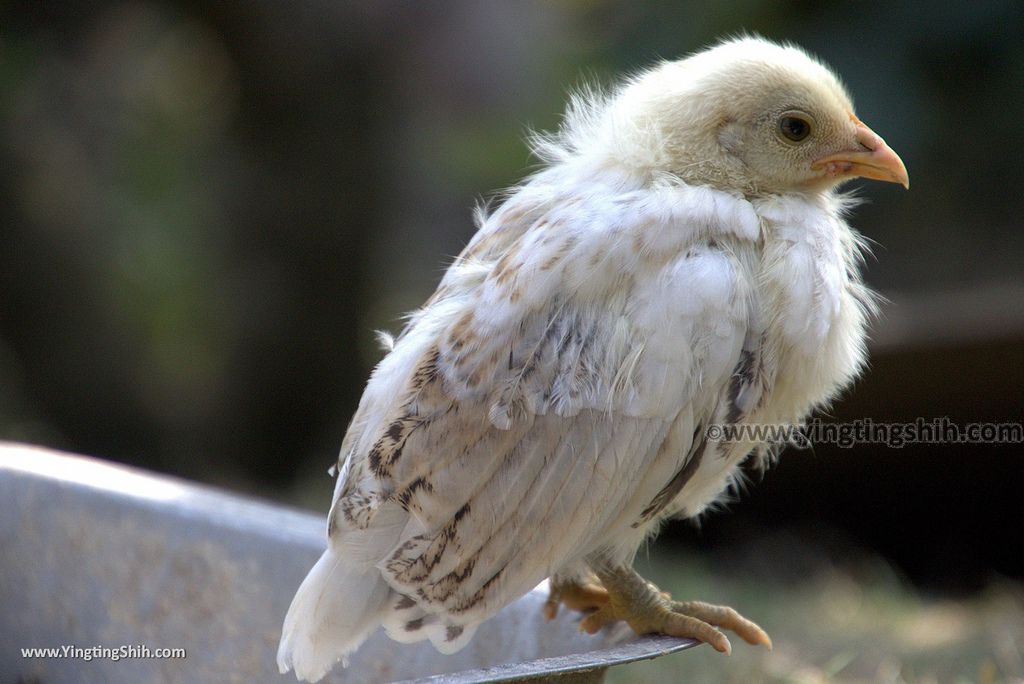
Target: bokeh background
[[207, 208]]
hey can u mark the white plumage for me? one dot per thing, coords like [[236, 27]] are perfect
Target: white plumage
[[682, 260]]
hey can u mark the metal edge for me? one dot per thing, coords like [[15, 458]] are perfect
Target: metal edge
[[644, 648]]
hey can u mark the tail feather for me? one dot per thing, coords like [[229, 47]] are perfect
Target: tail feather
[[345, 597], [335, 609]]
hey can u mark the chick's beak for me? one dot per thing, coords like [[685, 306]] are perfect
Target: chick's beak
[[873, 159]]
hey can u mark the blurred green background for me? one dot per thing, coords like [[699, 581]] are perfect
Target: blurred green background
[[207, 208]]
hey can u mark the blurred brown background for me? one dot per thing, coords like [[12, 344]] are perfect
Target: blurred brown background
[[206, 209]]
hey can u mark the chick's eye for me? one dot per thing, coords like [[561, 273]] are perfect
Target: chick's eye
[[794, 128]]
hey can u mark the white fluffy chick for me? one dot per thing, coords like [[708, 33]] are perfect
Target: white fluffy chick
[[681, 261]]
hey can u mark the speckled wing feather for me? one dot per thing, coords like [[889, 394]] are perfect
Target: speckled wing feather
[[522, 414]]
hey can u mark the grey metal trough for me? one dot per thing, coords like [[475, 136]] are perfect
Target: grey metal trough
[[118, 563]]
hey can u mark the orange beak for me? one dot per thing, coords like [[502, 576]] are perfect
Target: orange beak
[[874, 159]]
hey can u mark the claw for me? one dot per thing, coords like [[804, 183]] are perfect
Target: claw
[[646, 609], [583, 596], [593, 623], [725, 617]]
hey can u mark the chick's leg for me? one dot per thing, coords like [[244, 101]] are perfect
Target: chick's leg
[[583, 594], [648, 610]]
